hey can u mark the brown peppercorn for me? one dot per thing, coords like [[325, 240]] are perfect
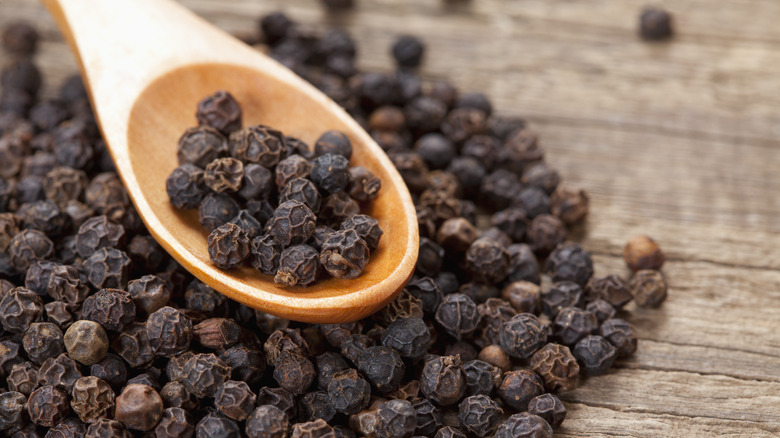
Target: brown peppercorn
[[175, 423], [561, 294], [267, 421], [257, 144], [92, 398], [20, 38], [519, 387], [133, 346], [611, 289], [107, 268], [557, 367], [405, 305], [648, 288], [363, 185], [570, 206], [105, 428], [203, 374], [545, 233], [293, 223], [313, 429], [456, 234], [86, 342], [601, 309], [224, 175], [524, 425], [47, 406], [175, 395], [200, 146], [168, 331], [487, 261], [337, 208], [344, 254], [220, 111], [28, 247], [43, 340], [149, 293], [642, 252], [569, 261], [443, 380], [112, 369], [524, 296], [496, 356], [412, 168], [139, 407], [294, 372], [298, 266], [234, 400], [573, 324], [522, 335], [493, 313], [60, 372], [228, 246], [549, 407], [111, 308], [217, 333], [621, 334], [23, 378], [655, 24]]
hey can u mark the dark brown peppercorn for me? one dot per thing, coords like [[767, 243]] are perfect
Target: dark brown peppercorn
[[595, 355], [11, 411], [139, 407], [108, 268], [494, 312], [655, 24], [621, 334], [337, 208], [462, 123], [458, 315], [449, 432], [203, 374], [573, 324], [456, 234], [519, 387], [215, 424], [293, 223], [92, 398], [267, 422], [285, 339], [487, 260], [43, 340], [168, 331], [549, 407], [20, 38], [330, 172], [149, 293], [363, 185], [28, 247], [524, 425], [648, 288], [47, 406], [408, 51], [481, 377], [217, 333], [601, 309], [545, 233], [86, 342], [200, 146], [220, 111], [298, 265], [405, 305], [480, 415], [19, 308], [224, 175], [228, 246], [522, 335], [344, 254], [216, 210], [570, 206], [642, 252], [314, 405], [611, 289], [409, 336], [396, 418], [348, 392], [60, 371], [265, 254], [561, 294], [279, 398], [523, 296], [234, 400], [105, 428], [175, 423], [366, 227], [294, 372], [112, 369], [133, 346], [382, 366], [333, 142], [23, 378], [570, 262], [557, 367], [185, 186], [313, 429], [257, 144], [174, 394], [443, 380], [111, 308]]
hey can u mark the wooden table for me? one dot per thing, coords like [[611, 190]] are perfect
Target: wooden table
[[680, 141]]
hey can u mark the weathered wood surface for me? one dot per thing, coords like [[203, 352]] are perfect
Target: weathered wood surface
[[680, 141]]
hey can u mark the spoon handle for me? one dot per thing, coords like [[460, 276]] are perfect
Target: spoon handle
[[122, 46]]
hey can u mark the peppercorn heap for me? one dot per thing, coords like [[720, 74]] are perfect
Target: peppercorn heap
[[102, 334], [236, 176]]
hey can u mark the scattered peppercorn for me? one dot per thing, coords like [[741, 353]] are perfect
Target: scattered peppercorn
[[648, 288], [86, 342], [655, 24], [549, 407], [139, 407]]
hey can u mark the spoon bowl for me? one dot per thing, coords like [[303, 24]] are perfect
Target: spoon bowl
[[145, 93]]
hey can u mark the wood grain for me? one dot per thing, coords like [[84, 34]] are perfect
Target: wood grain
[[676, 140]]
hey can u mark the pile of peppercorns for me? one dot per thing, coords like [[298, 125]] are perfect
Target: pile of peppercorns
[[260, 196], [102, 334]]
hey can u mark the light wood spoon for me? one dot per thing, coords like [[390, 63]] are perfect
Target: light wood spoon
[[147, 63]]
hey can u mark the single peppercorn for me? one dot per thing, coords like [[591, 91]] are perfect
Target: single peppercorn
[[43, 340], [224, 175], [348, 392], [12, 405], [545, 233], [314, 405], [333, 142], [569, 205], [481, 377], [111, 308], [168, 331], [203, 373], [522, 335], [382, 367], [611, 289], [573, 324], [557, 367], [298, 266], [200, 146], [487, 261], [265, 254], [363, 185], [409, 336], [524, 425], [105, 428], [29, 246], [655, 24], [111, 369], [601, 309], [313, 429], [480, 415], [561, 294], [330, 172], [228, 246], [523, 296], [220, 111], [267, 421], [20, 38], [107, 268], [621, 334], [214, 424], [396, 418], [92, 398], [47, 406], [139, 407], [175, 423], [648, 288], [148, 293], [519, 387], [86, 342], [550, 408], [642, 252], [294, 372], [175, 395], [23, 378], [569, 262], [366, 227], [595, 355], [216, 209], [60, 371], [234, 400], [458, 315], [133, 346], [279, 398], [344, 254], [443, 380], [494, 312]]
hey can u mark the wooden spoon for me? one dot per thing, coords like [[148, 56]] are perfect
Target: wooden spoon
[[147, 63]]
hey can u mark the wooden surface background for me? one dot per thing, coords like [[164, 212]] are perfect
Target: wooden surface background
[[679, 140]]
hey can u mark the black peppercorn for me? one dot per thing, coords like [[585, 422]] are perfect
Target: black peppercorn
[[443, 380], [561, 294], [611, 289], [480, 415], [570, 206], [43, 340], [298, 265], [267, 421], [557, 367], [344, 254], [409, 336], [111, 369], [363, 185], [12, 405], [149, 293], [234, 400], [47, 406], [175, 422], [168, 331], [549, 407], [523, 296], [382, 367], [92, 398], [294, 372], [522, 335], [228, 246], [200, 146], [396, 418], [570, 262], [220, 111], [214, 424], [105, 428], [348, 392], [648, 288], [621, 334], [133, 346], [458, 315], [20, 38], [292, 223], [19, 308], [216, 210], [23, 377], [203, 374], [265, 254], [487, 260], [111, 308], [573, 324], [655, 24], [601, 309], [185, 186], [524, 425], [107, 268], [595, 355]]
